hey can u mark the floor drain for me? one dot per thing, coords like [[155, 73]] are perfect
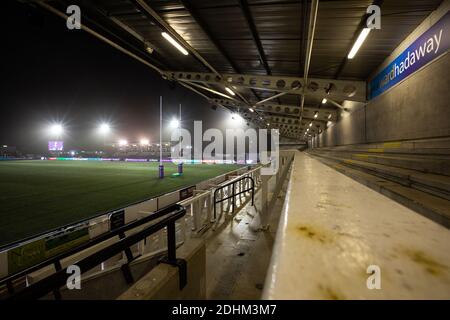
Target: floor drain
[[240, 254]]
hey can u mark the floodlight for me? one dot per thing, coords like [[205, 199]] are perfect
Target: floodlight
[[123, 142], [56, 129], [175, 123], [144, 142], [104, 128]]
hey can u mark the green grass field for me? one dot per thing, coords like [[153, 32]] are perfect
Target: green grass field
[[36, 196]]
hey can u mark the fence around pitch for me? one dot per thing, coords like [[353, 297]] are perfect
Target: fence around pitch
[[22, 254], [197, 199]]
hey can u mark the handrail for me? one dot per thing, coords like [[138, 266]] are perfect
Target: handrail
[[58, 279], [234, 194]]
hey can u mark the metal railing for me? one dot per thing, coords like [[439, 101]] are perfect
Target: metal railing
[[233, 193], [199, 207], [168, 216]]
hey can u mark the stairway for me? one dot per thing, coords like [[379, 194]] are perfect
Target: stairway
[[414, 173]]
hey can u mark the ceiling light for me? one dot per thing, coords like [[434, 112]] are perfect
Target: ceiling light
[[324, 100], [310, 124], [174, 43], [236, 116], [358, 43], [251, 109], [230, 91], [316, 115], [149, 48]]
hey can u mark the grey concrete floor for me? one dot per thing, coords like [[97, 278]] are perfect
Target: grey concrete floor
[[237, 258]]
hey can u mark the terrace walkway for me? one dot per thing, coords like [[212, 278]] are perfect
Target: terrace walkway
[[333, 228]]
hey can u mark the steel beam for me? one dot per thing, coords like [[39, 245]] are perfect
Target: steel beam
[[276, 96], [330, 88], [251, 25], [55, 11], [154, 16], [362, 24], [203, 26], [311, 30], [208, 89], [194, 90], [284, 109], [295, 123]]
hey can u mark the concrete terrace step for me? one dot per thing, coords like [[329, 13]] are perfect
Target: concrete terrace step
[[427, 164], [438, 185], [437, 146], [430, 206]]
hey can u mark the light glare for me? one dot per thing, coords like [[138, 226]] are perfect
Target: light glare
[[358, 43], [174, 43], [174, 123], [236, 117], [56, 129], [230, 91], [104, 128]]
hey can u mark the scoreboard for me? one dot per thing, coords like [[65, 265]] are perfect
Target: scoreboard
[[55, 146]]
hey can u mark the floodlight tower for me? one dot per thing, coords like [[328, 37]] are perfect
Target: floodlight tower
[[56, 130], [104, 129], [161, 166]]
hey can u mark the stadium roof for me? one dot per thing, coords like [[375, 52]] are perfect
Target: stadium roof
[[258, 49]]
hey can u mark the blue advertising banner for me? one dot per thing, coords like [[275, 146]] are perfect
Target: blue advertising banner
[[430, 45]]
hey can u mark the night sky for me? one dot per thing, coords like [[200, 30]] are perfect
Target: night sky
[[50, 73]]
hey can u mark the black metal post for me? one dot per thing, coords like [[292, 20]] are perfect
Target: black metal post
[[171, 243], [56, 291]]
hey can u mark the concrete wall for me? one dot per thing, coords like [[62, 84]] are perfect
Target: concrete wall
[[162, 282], [416, 108]]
